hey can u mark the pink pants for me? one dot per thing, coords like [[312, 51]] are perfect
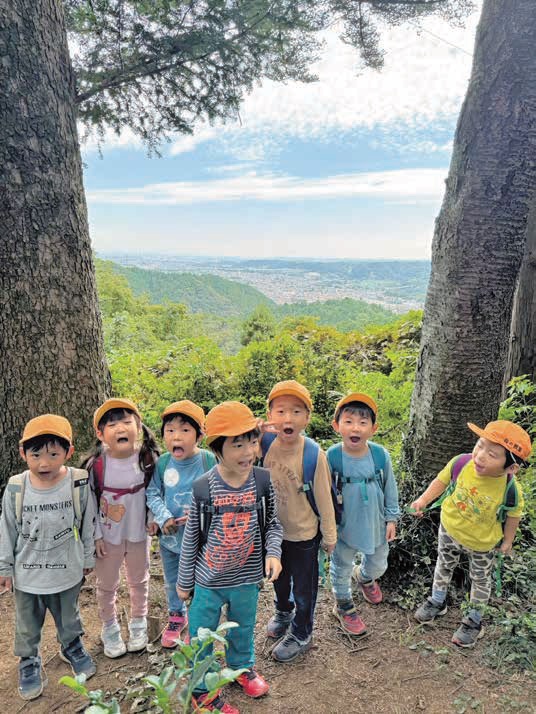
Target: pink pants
[[108, 573]]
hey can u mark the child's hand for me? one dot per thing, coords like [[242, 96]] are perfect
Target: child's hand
[[6, 585], [328, 548], [99, 548], [273, 569], [184, 594], [152, 528], [505, 548], [418, 506], [267, 427], [390, 531], [169, 527]]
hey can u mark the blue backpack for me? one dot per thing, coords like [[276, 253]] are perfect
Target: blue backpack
[[338, 479]]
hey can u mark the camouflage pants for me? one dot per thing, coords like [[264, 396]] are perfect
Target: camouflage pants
[[480, 567]]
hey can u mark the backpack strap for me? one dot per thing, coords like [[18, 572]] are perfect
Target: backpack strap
[[267, 439], [310, 460], [201, 492], [378, 457], [16, 486], [97, 466], [161, 466], [262, 485], [455, 470], [335, 462], [79, 491], [510, 498]]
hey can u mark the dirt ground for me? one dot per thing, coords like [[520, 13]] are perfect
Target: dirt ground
[[399, 667]]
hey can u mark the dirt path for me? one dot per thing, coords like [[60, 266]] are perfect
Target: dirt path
[[399, 668]]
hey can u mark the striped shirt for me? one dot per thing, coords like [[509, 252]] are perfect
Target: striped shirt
[[233, 553]]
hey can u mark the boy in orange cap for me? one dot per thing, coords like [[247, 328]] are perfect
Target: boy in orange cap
[[169, 494], [232, 536], [302, 483], [369, 495], [477, 502], [47, 546]]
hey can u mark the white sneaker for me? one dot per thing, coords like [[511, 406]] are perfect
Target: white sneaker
[[138, 638], [112, 641]]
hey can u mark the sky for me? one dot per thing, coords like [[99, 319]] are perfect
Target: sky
[[352, 166]]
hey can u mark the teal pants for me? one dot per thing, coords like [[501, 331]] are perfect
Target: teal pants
[[241, 602]]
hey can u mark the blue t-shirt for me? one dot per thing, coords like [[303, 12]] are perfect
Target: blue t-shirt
[[368, 504], [170, 492]]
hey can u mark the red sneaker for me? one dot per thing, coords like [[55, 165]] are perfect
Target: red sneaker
[[350, 621], [371, 592], [172, 633], [253, 684], [205, 703]]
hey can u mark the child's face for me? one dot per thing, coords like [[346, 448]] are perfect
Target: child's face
[[238, 454], [46, 463], [180, 438], [355, 428], [120, 436], [489, 458], [290, 417]]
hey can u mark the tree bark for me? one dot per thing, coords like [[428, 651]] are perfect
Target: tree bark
[[50, 329], [522, 354], [478, 242]]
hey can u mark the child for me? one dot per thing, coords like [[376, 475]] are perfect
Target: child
[[369, 507], [169, 495], [120, 470], [289, 410], [224, 555], [46, 548], [470, 522]]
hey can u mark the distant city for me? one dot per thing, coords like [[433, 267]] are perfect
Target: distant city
[[395, 284]]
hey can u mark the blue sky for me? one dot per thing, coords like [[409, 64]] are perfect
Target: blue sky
[[351, 166]]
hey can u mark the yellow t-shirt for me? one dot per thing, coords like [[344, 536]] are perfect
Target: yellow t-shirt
[[469, 514]]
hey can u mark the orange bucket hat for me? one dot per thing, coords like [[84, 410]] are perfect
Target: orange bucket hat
[[188, 408], [114, 404], [290, 387], [229, 419], [356, 397], [509, 435], [47, 424]]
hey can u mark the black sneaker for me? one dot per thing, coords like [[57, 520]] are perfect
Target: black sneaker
[[32, 678], [290, 647], [468, 633], [76, 655], [428, 611], [279, 624]]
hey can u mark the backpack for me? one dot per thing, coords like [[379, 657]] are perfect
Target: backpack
[[209, 460], [97, 467], [310, 459], [510, 499], [338, 479], [16, 486], [201, 492]]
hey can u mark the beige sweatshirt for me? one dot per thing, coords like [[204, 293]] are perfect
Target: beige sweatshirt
[[296, 515]]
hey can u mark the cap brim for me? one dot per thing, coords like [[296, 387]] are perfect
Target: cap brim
[[114, 404], [235, 430], [358, 397], [51, 432], [291, 393]]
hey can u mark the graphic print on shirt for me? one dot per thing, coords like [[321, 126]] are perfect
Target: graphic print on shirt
[[470, 504], [111, 512], [47, 527], [171, 477], [234, 540], [284, 486]]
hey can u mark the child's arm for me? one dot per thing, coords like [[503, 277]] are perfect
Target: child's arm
[[156, 504], [510, 528], [8, 540], [273, 537], [324, 503], [390, 495], [434, 490], [87, 533], [189, 552]]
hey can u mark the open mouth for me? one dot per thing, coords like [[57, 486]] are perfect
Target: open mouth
[[178, 451], [122, 440], [288, 431], [355, 439]]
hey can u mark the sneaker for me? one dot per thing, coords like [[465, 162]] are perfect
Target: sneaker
[[176, 624], [468, 633], [206, 703], [350, 620], [290, 647], [138, 638], [112, 641], [279, 624], [371, 592], [253, 684], [428, 611], [77, 656], [32, 678]]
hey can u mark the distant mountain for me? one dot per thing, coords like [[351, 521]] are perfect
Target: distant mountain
[[200, 293], [346, 315]]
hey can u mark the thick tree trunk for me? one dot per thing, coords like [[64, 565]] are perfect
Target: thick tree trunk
[[478, 242], [50, 331], [522, 354]]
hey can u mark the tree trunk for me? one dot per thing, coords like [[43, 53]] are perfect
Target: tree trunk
[[478, 242], [50, 330], [522, 354]]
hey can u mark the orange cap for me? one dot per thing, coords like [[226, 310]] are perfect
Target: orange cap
[[293, 389], [507, 434], [114, 404], [48, 424], [356, 397], [188, 408], [229, 419]]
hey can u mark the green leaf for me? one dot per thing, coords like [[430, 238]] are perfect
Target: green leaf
[[73, 684]]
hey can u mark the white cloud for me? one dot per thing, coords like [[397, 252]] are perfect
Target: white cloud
[[406, 184]]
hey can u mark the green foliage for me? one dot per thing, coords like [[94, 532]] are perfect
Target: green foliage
[[259, 326], [97, 705], [346, 315]]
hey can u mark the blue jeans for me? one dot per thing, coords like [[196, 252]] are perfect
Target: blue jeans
[[297, 586], [205, 609], [342, 563], [170, 565]]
